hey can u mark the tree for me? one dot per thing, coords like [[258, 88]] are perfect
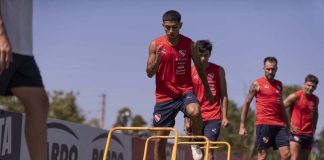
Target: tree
[[11, 104], [288, 89], [123, 119], [93, 122], [62, 106], [138, 121]]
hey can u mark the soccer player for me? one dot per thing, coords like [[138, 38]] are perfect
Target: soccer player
[[214, 116], [271, 130], [303, 106], [170, 61], [19, 74]]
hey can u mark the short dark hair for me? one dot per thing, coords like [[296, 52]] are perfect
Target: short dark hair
[[171, 15], [270, 59], [311, 78], [204, 45]]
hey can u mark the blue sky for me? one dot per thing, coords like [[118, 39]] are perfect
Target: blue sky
[[101, 46]]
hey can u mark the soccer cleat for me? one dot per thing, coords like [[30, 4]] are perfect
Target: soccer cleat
[[196, 152]]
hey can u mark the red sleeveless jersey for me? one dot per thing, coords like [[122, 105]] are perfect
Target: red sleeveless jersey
[[302, 115], [173, 76], [208, 112], [269, 110]]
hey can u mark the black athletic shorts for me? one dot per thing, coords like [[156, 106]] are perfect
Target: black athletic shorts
[[271, 136], [165, 113], [211, 129], [22, 72], [305, 141]]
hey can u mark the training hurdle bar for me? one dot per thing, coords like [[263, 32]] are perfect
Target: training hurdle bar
[[176, 134], [206, 142], [222, 142]]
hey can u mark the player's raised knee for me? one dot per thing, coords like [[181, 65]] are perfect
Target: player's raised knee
[[193, 110]]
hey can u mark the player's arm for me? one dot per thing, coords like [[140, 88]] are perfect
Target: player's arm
[[153, 59], [285, 116], [201, 72], [315, 117], [290, 101], [224, 96], [5, 47], [254, 89]]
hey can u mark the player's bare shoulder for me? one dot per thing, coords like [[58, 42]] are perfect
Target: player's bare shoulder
[[254, 88], [152, 46]]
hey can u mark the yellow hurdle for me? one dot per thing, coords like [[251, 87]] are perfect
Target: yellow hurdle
[[206, 143], [228, 148], [176, 134]]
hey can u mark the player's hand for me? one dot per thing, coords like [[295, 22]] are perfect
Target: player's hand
[[159, 53], [225, 122], [294, 129], [187, 125], [5, 53], [243, 132]]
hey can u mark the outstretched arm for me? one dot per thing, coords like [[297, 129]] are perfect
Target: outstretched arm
[[153, 59], [252, 92], [224, 97], [201, 72], [5, 48]]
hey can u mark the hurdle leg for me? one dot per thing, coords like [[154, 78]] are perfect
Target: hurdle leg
[[174, 150]]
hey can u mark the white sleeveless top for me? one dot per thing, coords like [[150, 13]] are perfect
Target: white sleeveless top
[[17, 17]]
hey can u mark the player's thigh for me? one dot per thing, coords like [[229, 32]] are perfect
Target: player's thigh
[[192, 109], [263, 140], [33, 98], [27, 84], [281, 137], [164, 114], [294, 148]]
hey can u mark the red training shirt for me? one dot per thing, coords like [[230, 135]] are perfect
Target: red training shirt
[[302, 114], [173, 76], [208, 111], [269, 109]]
